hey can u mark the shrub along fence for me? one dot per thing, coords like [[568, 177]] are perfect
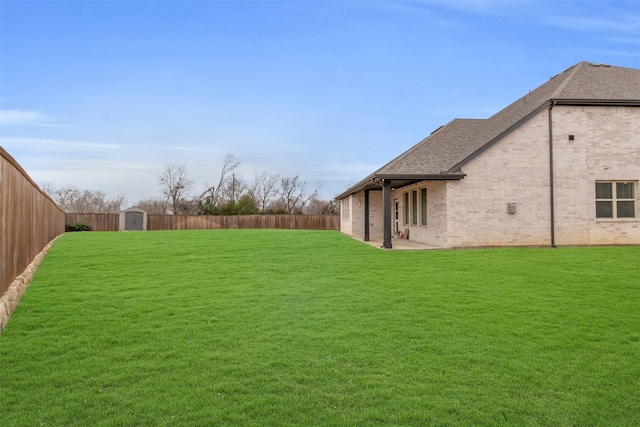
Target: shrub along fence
[[29, 220], [110, 222]]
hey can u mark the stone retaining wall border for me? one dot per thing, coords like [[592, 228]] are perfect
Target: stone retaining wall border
[[9, 300]]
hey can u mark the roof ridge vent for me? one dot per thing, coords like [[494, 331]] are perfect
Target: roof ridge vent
[[596, 64], [568, 69]]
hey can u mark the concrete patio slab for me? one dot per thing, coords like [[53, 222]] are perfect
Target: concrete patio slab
[[403, 245]]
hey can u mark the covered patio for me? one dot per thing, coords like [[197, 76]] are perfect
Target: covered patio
[[386, 183], [402, 245]]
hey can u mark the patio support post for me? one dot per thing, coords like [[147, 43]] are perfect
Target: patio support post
[[366, 215], [386, 216]]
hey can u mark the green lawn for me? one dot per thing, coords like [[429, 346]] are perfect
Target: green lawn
[[280, 327]]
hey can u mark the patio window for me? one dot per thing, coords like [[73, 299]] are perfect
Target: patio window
[[414, 207], [405, 208], [423, 206], [615, 199]]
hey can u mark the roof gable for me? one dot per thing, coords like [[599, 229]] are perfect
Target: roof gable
[[601, 82], [447, 149]]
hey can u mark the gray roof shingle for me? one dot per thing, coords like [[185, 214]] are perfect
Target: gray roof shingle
[[446, 150]]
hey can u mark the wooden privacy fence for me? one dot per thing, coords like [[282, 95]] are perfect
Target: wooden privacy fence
[[29, 220], [301, 222], [97, 221], [110, 222]]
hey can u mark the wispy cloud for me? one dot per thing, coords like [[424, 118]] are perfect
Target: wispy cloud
[[135, 180], [24, 118], [479, 7], [624, 40], [402, 6], [628, 23], [194, 149], [624, 53], [57, 144]]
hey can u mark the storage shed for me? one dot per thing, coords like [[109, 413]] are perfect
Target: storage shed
[[133, 219]]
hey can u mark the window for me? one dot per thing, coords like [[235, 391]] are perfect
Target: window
[[615, 200], [414, 207], [423, 206], [405, 208], [345, 207], [396, 203]]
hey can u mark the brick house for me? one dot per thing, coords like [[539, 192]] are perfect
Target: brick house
[[560, 166]]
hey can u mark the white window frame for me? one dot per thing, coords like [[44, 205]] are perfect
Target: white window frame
[[415, 211], [614, 200], [424, 207], [406, 212]]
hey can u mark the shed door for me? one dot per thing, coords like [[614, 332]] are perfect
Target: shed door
[[133, 220]]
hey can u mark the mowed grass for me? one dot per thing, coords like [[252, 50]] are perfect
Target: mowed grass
[[280, 327]]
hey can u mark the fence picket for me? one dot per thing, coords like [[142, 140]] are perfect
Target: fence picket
[[29, 220], [110, 222]]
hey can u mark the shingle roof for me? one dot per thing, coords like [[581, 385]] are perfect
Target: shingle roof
[[446, 150]]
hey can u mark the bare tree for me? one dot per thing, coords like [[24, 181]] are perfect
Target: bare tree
[[48, 188], [233, 190], [293, 196], [317, 206], [175, 184], [72, 199], [264, 189], [156, 206], [228, 187], [227, 176]]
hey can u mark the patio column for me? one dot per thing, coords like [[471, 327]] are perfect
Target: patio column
[[366, 215], [386, 213]]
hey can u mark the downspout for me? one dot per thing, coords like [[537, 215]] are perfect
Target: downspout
[[551, 185], [366, 215]]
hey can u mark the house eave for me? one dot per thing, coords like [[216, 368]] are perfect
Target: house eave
[[374, 182], [598, 102]]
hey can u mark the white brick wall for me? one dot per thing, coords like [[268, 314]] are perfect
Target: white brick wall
[[346, 221], [473, 211], [354, 225], [514, 170], [375, 215], [606, 147]]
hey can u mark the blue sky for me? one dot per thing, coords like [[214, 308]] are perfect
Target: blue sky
[[102, 94]]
